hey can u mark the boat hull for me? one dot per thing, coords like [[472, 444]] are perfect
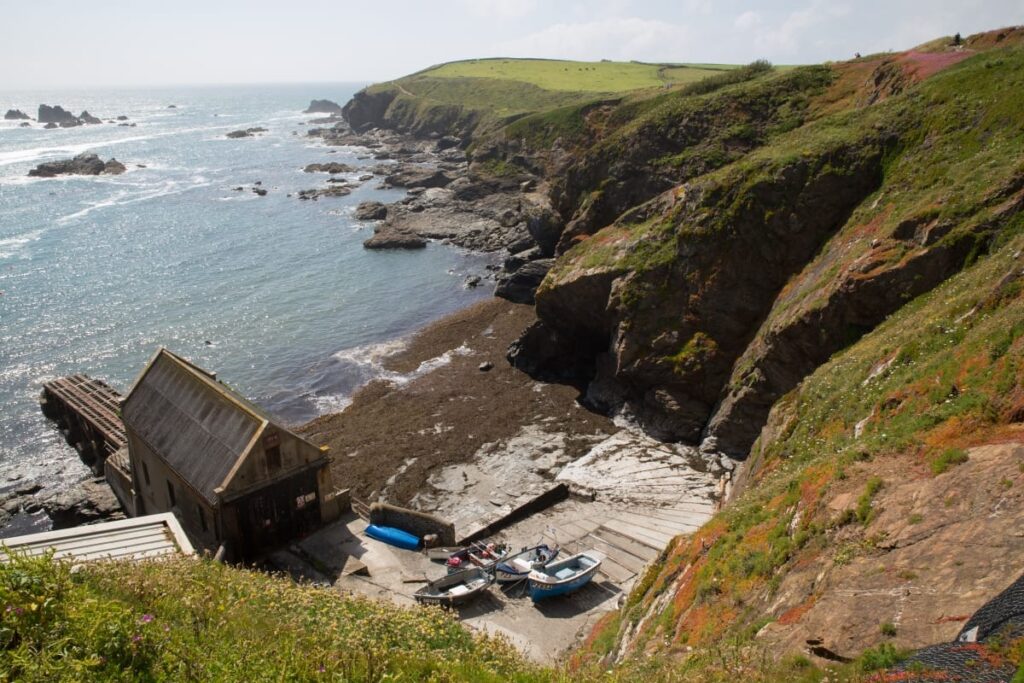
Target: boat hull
[[507, 572], [542, 591], [392, 536]]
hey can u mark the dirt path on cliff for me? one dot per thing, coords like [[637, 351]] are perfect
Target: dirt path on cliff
[[394, 435]]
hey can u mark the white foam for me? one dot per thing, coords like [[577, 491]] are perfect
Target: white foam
[[122, 197], [372, 358], [15, 246]]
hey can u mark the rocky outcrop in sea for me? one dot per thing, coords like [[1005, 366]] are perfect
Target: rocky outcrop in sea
[[16, 115], [83, 164]]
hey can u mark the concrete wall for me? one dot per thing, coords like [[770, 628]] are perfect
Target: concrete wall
[[188, 505], [413, 521]]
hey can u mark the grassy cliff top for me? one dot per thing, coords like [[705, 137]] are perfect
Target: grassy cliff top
[[591, 77]]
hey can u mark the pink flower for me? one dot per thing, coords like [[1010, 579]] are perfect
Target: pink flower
[[146, 618]]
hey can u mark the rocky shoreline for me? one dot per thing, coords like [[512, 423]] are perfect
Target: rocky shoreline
[[449, 200]]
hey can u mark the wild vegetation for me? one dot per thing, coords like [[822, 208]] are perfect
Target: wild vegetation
[[819, 267]]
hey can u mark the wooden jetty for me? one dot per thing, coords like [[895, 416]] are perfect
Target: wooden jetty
[[87, 412]]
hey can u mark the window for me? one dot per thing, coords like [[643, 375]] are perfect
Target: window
[[274, 458], [202, 516], [170, 494], [145, 473]]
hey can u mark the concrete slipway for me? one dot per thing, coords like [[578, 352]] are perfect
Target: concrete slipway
[[629, 496]]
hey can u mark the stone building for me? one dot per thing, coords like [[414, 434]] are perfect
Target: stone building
[[237, 479]]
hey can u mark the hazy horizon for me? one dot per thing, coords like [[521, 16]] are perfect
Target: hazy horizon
[[120, 44]]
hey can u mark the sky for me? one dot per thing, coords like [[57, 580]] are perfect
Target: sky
[[62, 43]]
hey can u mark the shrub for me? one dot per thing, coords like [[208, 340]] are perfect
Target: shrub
[[950, 457]]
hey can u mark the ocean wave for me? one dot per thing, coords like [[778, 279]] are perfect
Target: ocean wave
[[14, 247], [122, 197], [367, 362]]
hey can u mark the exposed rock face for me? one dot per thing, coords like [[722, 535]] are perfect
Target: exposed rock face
[[329, 191], [371, 211], [83, 164], [519, 286], [395, 239], [333, 167], [366, 109], [323, 107], [247, 133], [677, 315], [412, 176], [86, 117], [90, 501], [55, 114], [15, 115]]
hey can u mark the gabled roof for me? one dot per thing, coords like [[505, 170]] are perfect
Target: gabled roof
[[198, 426], [138, 538]]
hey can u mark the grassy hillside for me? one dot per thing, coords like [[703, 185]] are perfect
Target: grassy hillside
[[591, 77], [197, 620]]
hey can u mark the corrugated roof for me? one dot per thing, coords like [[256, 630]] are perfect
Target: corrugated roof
[[199, 427], [139, 538]]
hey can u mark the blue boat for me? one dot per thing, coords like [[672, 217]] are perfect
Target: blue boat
[[395, 537], [518, 566], [565, 576]]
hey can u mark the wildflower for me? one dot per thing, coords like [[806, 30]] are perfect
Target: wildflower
[[136, 638], [146, 618]]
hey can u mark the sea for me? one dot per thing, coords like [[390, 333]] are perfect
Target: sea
[[275, 294]]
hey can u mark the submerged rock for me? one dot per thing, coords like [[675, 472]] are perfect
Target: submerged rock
[[247, 133]]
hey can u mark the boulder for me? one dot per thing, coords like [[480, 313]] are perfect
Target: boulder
[[90, 501], [83, 164], [24, 124], [50, 125], [122, 117], [330, 191], [86, 117], [73, 123], [172, 106], [415, 176], [371, 211], [447, 142], [323, 107], [113, 167], [520, 285], [247, 133], [395, 239], [55, 114], [333, 167], [16, 115]]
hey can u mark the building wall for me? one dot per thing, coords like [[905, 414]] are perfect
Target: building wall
[[277, 454], [188, 506]]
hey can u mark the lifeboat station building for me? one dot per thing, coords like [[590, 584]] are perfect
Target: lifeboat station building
[[239, 482]]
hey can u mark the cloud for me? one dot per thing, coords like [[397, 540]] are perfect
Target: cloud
[[501, 9], [796, 31], [613, 38], [747, 20]]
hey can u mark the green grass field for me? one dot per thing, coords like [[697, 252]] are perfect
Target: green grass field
[[591, 77]]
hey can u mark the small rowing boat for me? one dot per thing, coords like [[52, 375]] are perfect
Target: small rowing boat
[[565, 576], [483, 556], [455, 589], [442, 553], [393, 536], [518, 566]]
